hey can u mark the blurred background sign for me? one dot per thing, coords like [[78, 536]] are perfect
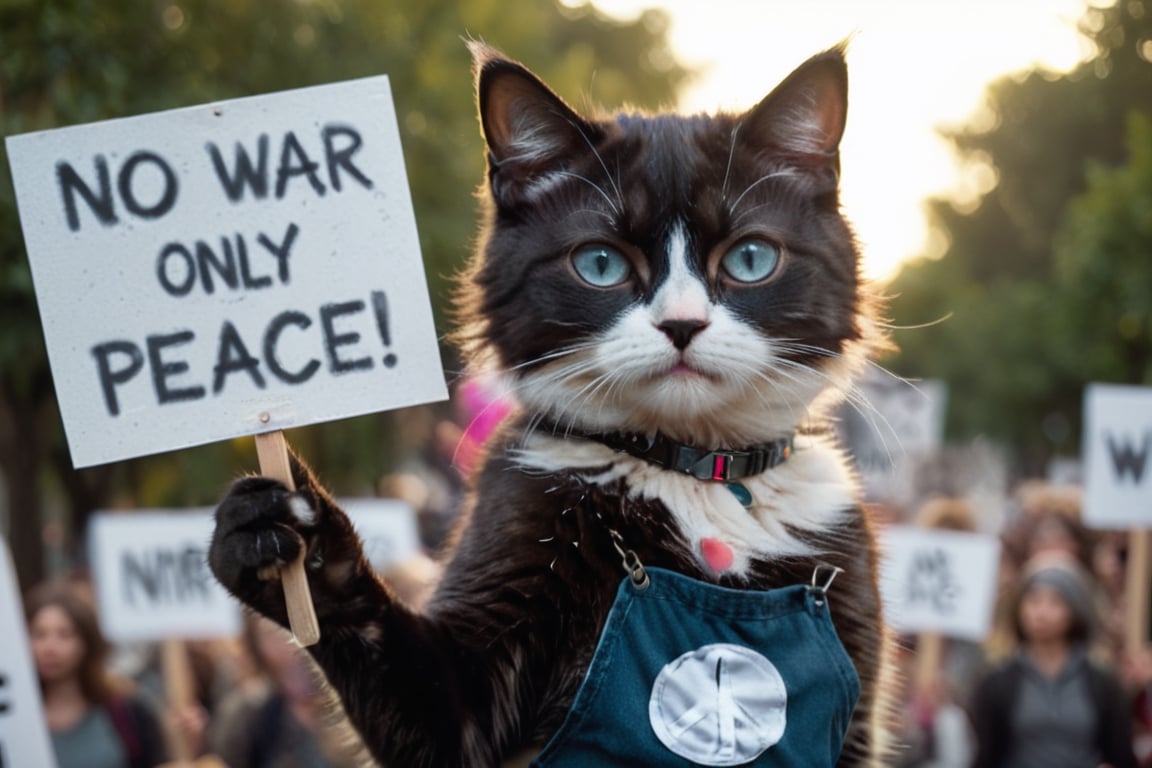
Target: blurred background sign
[[388, 529], [887, 423], [151, 574], [938, 581], [1118, 456], [23, 732], [150, 571]]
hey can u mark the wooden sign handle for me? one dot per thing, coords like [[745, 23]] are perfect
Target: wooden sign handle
[[272, 450], [1136, 590], [929, 662], [180, 693]]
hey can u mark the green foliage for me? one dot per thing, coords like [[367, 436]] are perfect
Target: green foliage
[[1104, 264], [66, 62], [1035, 285]]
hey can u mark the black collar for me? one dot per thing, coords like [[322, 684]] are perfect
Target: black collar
[[703, 464]]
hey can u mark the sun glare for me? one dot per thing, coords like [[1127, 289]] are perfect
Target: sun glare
[[914, 67]]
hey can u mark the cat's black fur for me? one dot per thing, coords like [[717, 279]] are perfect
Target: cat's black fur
[[491, 664]]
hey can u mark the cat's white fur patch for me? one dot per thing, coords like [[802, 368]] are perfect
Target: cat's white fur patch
[[682, 295], [813, 491], [301, 509]]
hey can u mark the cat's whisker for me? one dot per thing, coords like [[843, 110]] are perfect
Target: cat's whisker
[[553, 355], [854, 397], [788, 400], [591, 388], [793, 371], [533, 422], [596, 154], [895, 377], [592, 184], [738, 218], [562, 323], [596, 212], [728, 167], [563, 373], [795, 345], [748, 375], [872, 408], [748, 212], [767, 177]]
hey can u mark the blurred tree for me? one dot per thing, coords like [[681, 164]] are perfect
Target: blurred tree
[[1104, 267], [1010, 347], [73, 61]]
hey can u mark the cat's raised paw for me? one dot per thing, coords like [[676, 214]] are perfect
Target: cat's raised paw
[[261, 526]]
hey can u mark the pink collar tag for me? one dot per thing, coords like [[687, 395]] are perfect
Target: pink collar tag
[[717, 554]]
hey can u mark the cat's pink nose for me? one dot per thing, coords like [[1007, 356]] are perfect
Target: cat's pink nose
[[717, 554]]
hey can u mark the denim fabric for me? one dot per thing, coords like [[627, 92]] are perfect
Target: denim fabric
[[689, 674]]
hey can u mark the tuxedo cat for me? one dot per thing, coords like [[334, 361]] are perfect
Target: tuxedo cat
[[674, 301]]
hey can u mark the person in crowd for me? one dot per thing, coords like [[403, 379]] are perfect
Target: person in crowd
[[1050, 705], [1050, 522], [1049, 525], [284, 718], [94, 719], [1137, 677]]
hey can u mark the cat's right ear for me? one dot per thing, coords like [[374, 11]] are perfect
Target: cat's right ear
[[529, 130], [804, 116]]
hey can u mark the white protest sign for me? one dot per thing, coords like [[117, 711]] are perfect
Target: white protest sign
[[939, 581], [23, 732], [227, 269], [388, 529], [896, 420], [151, 575], [1118, 456], [151, 572]]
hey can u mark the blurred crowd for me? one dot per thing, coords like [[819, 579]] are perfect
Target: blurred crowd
[[255, 701], [1057, 683], [251, 702]]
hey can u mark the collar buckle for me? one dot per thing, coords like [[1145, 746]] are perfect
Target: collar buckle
[[722, 466], [719, 465]]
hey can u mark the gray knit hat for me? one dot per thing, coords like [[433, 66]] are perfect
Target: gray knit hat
[[1067, 579]]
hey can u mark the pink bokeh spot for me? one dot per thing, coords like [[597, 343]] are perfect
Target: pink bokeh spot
[[483, 411]]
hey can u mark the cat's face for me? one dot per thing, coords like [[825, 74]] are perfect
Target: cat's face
[[691, 275]]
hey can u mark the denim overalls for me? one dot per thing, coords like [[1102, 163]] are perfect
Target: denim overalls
[[691, 674]]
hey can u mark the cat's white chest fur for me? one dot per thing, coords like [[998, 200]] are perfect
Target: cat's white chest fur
[[813, 491]]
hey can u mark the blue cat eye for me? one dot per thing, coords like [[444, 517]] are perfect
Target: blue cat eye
[[601, 265], [751, 261]]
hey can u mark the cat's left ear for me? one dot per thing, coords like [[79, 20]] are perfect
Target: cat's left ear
[[529, 130], [804, 116]]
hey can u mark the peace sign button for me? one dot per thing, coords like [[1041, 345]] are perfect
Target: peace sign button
[[720, 704]]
